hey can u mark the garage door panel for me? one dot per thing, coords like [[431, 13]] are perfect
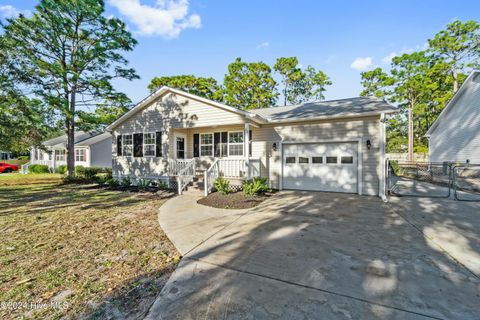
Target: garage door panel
[[337, 177]]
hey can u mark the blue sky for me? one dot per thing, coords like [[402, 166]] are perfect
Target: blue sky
[[342, 38]]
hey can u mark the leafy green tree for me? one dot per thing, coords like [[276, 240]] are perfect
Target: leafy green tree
[[249, 85], [291, 76], [200, 86], [376, 83], [459, 46], [300, 85], [67, 54]]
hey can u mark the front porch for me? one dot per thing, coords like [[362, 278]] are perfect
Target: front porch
[[204, 154]]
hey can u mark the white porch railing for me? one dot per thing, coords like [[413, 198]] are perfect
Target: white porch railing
[[186, 175], [230, 168], [177, 165]]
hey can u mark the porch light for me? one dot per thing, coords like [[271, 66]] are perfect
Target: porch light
[[274, 146], [369, 144]]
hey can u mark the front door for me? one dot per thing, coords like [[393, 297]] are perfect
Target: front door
[[180, 146]]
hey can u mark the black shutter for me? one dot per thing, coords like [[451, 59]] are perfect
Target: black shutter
[[138, 144], [196, 145], [158, 147], [216, 145], [250, 143], [119, 145]]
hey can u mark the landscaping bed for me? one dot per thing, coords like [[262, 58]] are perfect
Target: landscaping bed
[[234, 200], [74, 251]]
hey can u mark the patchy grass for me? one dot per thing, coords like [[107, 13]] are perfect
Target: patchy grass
[[79, 249]]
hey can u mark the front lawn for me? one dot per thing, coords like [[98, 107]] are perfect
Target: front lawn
[[70, 250]]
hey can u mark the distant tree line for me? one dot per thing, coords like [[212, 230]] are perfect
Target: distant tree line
[[251, 85], [421, 83]]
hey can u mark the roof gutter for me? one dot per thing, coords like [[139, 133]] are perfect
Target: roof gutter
[[340, 116]]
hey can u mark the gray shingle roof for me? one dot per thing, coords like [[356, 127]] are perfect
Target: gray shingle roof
[[333, 108], [61, 141]]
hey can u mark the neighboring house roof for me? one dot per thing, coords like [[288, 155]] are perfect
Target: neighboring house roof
[[352, 107], [359, 106], [94, 139], [452, 103], [164, 90], [61, 141]]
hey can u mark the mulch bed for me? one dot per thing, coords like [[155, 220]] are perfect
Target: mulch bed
[[234, 200]]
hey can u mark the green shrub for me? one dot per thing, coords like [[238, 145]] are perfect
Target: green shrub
[[90, 173], [61, 169], [24, 158], [143, 184], [255, 186], [126, 182], [162, 185], [79, 171], [222, 185], [113, 183], [102, 179], [38, 168], [73, 179], [395, 167]]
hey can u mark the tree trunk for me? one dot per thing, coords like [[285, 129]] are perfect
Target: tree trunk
[[410, 133], [70, 123], [455, 80]]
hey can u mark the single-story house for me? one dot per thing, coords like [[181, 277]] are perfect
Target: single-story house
[[92, 149], [5, 155], [334, 146], [455, 135]]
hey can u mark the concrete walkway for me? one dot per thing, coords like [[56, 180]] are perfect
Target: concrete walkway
[[323, 255]]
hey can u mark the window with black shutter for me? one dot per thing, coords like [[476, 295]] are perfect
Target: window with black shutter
[[196, 145], [119, 145], [138, 145], [158, 142]]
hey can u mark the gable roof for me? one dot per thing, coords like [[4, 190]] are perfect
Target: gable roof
[[342, 108], [350, 107], [452, 103], [61, 141], [163, 90]]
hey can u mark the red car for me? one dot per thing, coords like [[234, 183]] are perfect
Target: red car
[[7, 168]]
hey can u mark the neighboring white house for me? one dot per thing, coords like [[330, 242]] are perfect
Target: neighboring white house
[[455, 135], [326, 146], [92, 149], [5, 155]]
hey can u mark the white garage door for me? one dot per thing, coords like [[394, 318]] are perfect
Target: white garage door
[[320, 166]]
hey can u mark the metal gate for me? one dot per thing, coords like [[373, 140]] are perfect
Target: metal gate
[[419, 179], [434, 180], [466, 182]]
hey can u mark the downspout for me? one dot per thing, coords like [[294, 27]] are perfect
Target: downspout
[[383, 164]]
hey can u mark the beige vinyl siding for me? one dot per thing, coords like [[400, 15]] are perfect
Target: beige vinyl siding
[[457, 136], [165, 114], [354, 129]]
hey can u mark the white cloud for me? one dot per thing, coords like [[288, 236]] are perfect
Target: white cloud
[[389, 57], [166, 18], [9, 11], [265, 44], [362, 64]]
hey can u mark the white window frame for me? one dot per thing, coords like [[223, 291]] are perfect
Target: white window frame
[[64, 154], [207, 144], [84, 154], [150, 144], [236, 144], [125, 145]]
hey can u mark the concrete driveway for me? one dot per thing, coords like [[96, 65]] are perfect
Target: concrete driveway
[[323, 255]]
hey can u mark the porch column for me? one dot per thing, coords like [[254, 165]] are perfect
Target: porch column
[[246, 148]]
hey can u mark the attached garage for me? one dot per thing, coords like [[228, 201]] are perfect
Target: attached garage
[[328, 166]]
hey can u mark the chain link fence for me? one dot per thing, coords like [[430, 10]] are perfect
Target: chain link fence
[[434, 180]]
